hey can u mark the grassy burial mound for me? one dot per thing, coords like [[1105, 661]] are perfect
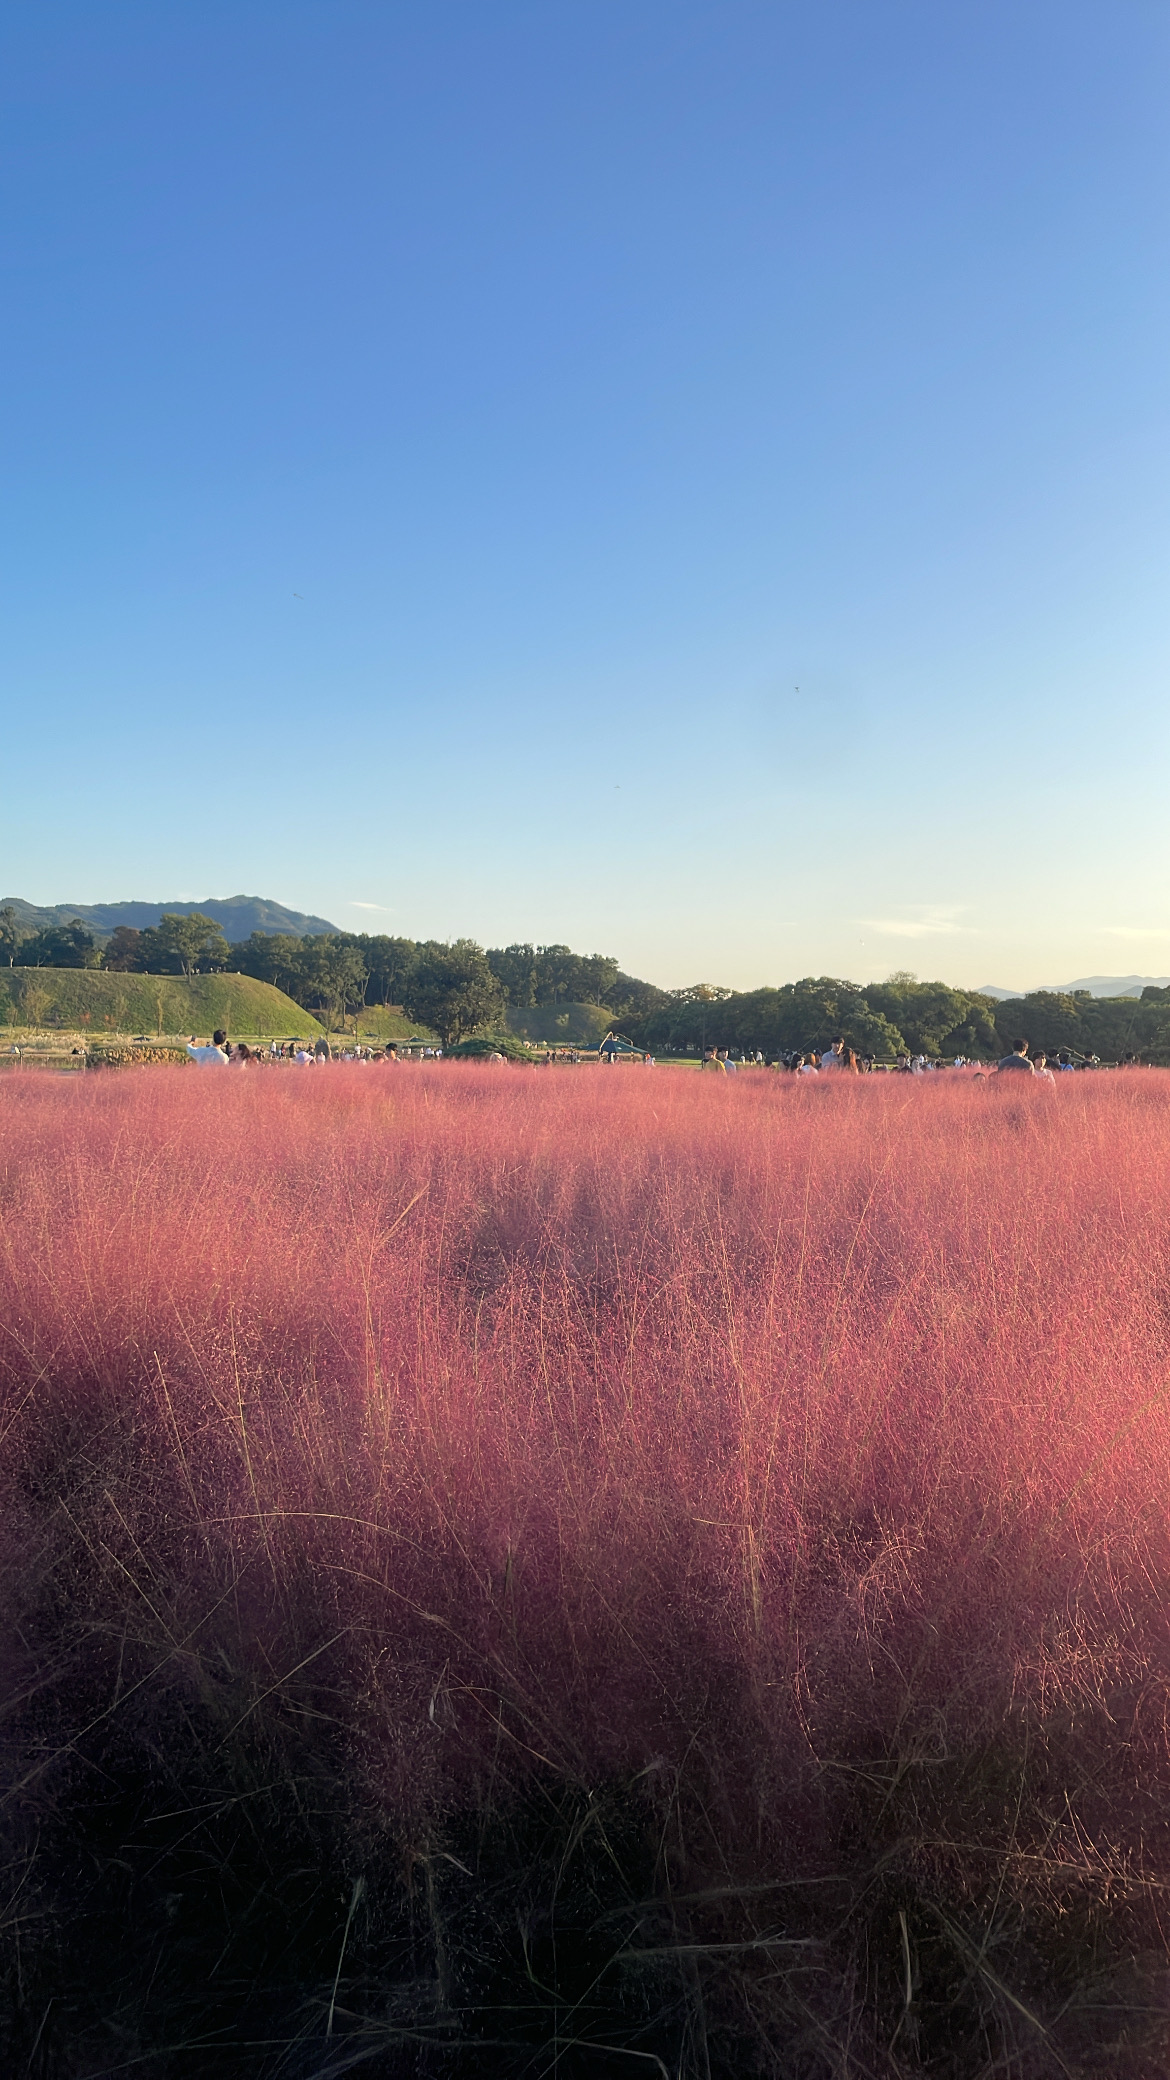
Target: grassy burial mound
[[84, 1000], [512, 1574]]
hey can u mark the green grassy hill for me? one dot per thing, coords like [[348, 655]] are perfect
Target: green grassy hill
[[82, 1000]]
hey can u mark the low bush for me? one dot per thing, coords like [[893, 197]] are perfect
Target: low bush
[[112, 1054], [482, 1046]]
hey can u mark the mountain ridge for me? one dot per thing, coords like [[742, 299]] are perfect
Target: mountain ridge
[[240, 916], [1097, 986]]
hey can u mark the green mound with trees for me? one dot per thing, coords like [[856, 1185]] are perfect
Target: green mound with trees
[[86, 1000], [561, 1025]]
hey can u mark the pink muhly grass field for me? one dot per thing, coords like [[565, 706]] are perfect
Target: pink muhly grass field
[[758, 1490]]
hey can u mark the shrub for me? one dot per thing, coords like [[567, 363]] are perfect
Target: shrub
[[107, 1054], [483, 1045]]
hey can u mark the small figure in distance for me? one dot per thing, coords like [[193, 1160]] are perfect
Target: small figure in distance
[[834, 1055], [730, 1068], [902, 1065], [322, 1052], [1017, 1059], [243, 1055], [1064, 1059], [1041, 1068], [392, 1050], [850, 1062], [711, 1061], [211, 1057], [807, 1066]]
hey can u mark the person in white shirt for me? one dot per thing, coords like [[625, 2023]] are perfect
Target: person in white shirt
[[834, 1055], [213, 1056]]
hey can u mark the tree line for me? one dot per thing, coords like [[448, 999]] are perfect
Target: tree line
[[457, 988], [454, 988]]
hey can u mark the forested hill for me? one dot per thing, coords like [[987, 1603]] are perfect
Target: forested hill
[[239, 916]]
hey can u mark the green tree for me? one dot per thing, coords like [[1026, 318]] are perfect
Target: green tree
[[630, 998], [453, 991], [807, 1014], [389, 962], [122, 953], [517, 971], [558, 975], [275, 957], [333, 975], [34, 1004], [690, 1018], [1106, 1026], [184, 944], [935, 1018], [596, 977], [9, 933], [801, 1015], [69, 945]]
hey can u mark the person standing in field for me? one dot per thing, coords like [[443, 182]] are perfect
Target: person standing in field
[[1017, 1059], [711, 1061], [730, 1068], [213, 1056], [807, 1066], [834, 1055]]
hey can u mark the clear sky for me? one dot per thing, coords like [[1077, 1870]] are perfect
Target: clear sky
[[688, 478]]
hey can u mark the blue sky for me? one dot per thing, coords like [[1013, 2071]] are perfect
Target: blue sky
[[685, 479]]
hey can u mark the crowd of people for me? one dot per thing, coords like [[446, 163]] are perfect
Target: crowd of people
[[835, 1060], [220, 1052]]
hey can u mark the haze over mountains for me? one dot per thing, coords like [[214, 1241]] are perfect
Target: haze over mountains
[[240, 916], [1097, 986]]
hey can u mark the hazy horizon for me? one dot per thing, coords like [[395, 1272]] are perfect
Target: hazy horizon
[[315, 921]]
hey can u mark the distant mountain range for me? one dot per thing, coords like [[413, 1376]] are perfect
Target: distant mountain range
[[1097, 986], [240, 916]]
